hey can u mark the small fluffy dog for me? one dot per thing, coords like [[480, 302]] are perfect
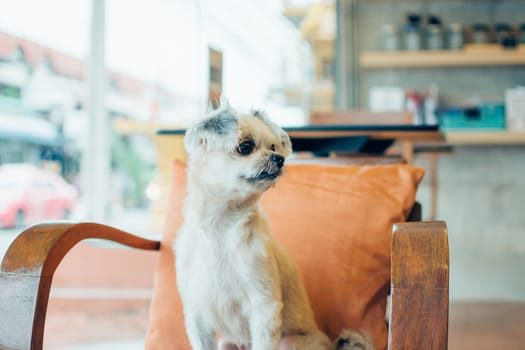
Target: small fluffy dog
[[234, 279]]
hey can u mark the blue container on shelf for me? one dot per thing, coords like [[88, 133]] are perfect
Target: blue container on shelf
[[486, 117]]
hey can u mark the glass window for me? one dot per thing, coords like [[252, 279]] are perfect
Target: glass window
[[163, 62]]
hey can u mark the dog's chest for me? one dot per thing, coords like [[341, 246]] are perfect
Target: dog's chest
[[215, 281], [216, 272]]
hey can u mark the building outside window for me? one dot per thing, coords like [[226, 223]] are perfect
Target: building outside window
[[159, 74]]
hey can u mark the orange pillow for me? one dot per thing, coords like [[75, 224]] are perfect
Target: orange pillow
[[336, 222]]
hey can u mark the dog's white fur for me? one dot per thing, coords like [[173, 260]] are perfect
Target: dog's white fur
[[233, 277]]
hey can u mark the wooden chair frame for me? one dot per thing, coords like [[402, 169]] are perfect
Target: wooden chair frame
[[419, 286]]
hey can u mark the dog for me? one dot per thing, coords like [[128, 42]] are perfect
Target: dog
[[234, 279]]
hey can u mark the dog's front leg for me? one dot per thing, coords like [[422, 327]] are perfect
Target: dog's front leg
[[201, 336], [265, 326]]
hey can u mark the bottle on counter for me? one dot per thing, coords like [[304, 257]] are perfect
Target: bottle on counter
[[515, 109], [430, 105], [414, 104]]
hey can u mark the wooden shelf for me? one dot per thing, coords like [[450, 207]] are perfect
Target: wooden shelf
[[441, 58], [493, 138]]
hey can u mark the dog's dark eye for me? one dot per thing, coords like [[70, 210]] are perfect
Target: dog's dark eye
[[273, 148], [246, 147]]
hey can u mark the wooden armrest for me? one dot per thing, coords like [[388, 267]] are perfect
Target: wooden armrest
[[27, 271], [419, 289]]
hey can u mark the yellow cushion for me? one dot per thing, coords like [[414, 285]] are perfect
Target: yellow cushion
[[336, 223]]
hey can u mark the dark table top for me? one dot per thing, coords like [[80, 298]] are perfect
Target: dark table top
[[320, 128], [373, 138]]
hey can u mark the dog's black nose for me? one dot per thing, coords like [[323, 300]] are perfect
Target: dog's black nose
[[342, 342], [277, 159]]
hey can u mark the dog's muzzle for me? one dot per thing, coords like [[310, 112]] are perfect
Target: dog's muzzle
[[271, 171]]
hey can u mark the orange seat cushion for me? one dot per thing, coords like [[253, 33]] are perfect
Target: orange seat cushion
[[336, 223]]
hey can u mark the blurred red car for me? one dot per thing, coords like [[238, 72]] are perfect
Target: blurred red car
[[29, 194]]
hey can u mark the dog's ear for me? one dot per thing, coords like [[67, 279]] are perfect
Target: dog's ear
[[219, 130], [286, 143]]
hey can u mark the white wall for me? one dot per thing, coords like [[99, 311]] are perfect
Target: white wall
[[261, 50]]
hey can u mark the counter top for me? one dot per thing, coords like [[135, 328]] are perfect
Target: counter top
[[481, 138]]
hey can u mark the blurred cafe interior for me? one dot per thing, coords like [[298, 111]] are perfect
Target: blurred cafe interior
[[84, 99]]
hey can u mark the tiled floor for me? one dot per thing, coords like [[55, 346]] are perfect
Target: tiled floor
[[130, 345], [96, 324], [487, 326], [473, 326]]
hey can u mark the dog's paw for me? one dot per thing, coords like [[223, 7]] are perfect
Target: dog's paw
[[353, 340]]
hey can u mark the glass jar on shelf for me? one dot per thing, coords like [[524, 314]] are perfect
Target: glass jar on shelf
[[480, 33], [455, 36], [522, 34], [502, 31], [412, 33], [390, 37], [434, 34]]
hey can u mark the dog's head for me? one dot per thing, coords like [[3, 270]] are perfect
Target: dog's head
[[236, 155]]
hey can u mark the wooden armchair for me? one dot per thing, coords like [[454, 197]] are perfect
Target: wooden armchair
[[418, 316]]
